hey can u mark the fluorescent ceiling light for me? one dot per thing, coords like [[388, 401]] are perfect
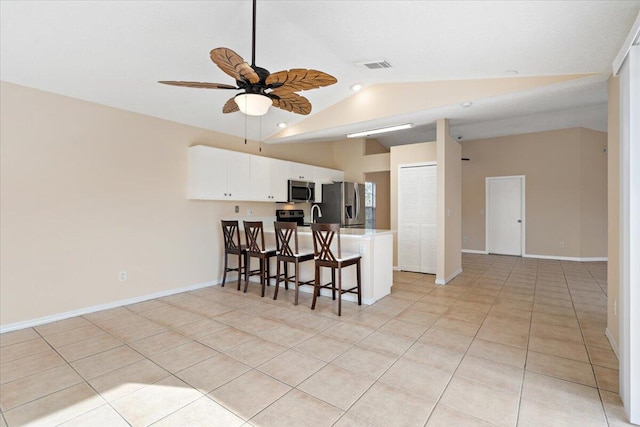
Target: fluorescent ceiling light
[[381, 130], [253, 104]]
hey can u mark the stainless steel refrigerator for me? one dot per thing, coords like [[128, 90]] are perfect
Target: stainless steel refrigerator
[[343, 202]]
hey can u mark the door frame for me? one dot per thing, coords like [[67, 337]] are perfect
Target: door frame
[[407, 166], [522, 207]]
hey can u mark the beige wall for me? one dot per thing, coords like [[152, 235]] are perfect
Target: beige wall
[[566, 172], [372, 146], [88, 191], [403, 154], [613, 264], [449, 205]]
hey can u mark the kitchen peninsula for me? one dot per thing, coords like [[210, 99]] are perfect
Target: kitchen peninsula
[[376, 249]]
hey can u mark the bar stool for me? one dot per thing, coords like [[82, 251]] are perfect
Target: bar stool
[[254, 235], [232, 246], [323, 235], [289, 252]]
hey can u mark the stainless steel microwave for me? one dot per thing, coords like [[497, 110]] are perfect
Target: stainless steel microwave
[[301, 191]]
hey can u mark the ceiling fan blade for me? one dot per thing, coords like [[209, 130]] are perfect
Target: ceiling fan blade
[[290, 101], [230, 106], [298, 79], [200, 85], [233, 64]]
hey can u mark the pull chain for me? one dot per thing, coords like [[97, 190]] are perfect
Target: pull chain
[[260, 135]]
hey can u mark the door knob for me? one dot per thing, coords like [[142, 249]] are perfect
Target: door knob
[[519, 220]]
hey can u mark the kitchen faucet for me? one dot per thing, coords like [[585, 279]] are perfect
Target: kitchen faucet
[[313, 219]]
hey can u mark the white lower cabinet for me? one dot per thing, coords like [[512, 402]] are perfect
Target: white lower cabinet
[[217, 174]]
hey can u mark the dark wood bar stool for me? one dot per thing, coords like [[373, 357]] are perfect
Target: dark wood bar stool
[[254, 235], [232, 246], [289, 252], [323, 235]]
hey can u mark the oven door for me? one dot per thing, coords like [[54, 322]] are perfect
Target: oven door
[[301, 191]]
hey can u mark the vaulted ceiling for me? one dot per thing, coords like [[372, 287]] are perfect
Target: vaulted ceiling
[[523, 65]]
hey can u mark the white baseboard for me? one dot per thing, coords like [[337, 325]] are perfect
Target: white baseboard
[[66, 315], [566, 258], [473, 251], [614, 345], [448, 279]]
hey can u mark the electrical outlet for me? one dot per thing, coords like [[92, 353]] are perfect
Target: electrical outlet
[[122, 276], [237, 209], [249, 211], [362, 248], [562, 244], [465, 238]]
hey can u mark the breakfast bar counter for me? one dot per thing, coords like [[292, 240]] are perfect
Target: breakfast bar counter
[[376, 249]]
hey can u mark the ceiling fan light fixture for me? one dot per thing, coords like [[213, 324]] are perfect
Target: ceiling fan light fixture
[[253, 104], [381, 130]]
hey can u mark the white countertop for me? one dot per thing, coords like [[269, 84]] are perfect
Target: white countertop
[[349, 231]]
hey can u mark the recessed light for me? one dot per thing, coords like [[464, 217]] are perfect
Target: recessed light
[[356, 87], [466, 104], [282, 125]]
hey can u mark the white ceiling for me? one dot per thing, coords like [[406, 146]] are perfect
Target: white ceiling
[[113, 53]]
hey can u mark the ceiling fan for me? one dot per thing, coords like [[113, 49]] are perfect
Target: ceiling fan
[[261, 88]]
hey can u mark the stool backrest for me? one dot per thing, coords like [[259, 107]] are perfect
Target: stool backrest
[[254, 234], [323, 235], [284, 232], [231, 233]]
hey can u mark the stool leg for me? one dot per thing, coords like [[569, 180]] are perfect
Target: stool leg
[[358, 282], [240, 269], [340, 292], [275, 292], [262, 272], [286, 275], [297, 273], [316, 289], [224, 277], [247, 268], [333, 283]]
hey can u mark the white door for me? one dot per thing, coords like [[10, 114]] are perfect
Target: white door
[[417, 201], [505, 215]]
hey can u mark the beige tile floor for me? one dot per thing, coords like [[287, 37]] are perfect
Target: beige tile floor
[[509, 342]]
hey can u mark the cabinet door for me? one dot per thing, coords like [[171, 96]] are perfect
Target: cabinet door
[[261, 179], [300, 171], [279, 180], [207, 178], [238, 166]]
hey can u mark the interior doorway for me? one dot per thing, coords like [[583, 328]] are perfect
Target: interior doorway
[[505, 211]]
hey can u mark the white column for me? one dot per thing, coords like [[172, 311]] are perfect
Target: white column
[[630, 234]]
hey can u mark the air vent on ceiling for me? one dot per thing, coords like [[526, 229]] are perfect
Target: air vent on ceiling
[[375, 65]]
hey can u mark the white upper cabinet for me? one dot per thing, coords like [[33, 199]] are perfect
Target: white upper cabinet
[[325, 176], [279, 180], [217, 174], [261, 179], [300, 171]]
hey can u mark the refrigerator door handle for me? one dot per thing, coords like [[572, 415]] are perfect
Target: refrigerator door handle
[[355, 188]]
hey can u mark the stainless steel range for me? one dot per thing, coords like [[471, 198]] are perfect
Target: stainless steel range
[[291, 215]]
